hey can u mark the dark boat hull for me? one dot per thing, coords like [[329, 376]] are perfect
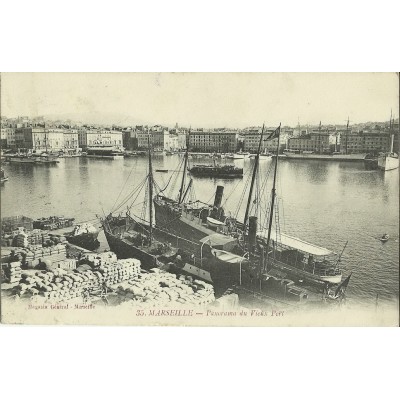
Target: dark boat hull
[[173, 222], [124, 249], [86, 240], [247, 277], [216, 175]]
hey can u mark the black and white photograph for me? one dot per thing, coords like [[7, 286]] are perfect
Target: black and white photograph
[[202, 199], [199, 200]]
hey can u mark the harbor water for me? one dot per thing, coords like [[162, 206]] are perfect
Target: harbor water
[[322, 202]]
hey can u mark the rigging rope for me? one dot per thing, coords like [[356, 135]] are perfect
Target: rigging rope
[[123, 186], [131, 194]]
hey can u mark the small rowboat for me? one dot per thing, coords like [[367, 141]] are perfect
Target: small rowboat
[[384, 238], [214, 223]]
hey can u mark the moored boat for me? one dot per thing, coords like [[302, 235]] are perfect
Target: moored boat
[[45, 158], [107, 152], [84, 235], [218, 171], [302, 260], [133, 237], [3, 177], [384, 238], [389, 161], [270, 259], [235, 156]]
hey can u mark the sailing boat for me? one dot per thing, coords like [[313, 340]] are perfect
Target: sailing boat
[[192, 219], [270, 255], [128, 237], [389, 161]]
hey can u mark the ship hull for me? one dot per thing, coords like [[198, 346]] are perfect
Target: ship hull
[[86, 240], [225, 275], [246, 277], [300, 274], [216, 175], [124, 249], [110, 153], [21, 160], [107, 157], [324, 157], [180, 225], [387, 163]]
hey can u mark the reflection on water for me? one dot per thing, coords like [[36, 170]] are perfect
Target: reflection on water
[[326, 203]]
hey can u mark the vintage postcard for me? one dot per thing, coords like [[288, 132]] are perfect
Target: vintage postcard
[[200, 199]]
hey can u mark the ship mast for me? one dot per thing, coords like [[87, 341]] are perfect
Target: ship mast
[[347, 132], [255, 169], [273, 195], [181, 197], [150, 177], [391, 132], [319, 137]]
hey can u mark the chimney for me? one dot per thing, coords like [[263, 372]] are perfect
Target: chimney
[[252, 232], [218, 196]]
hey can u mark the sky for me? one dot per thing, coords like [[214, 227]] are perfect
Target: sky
[[202, 99]]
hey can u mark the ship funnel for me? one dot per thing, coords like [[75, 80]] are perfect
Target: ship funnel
[[252, 232], [218, 196]]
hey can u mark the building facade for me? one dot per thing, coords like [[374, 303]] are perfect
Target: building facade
[[100, 138], [365, 142], [316, 142], [158, 136], [129, 139], [71, 141], [8, 137], [251, 141], [212, 141]]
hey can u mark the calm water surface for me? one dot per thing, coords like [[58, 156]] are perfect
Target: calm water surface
[[326, 203]]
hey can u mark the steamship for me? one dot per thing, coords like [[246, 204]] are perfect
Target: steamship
[[132, 236], [240, 252]]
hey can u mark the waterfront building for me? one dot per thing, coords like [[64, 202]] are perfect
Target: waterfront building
[[71, 141], [39, 139], [213, 141], [48, 139], [23, 138], [3, 137], [99, 138], [373, 141], [8, 137], [159, 137], [82, 138], [172, 142], [251, 139], [316, 141], [129, 139], [182, 135]]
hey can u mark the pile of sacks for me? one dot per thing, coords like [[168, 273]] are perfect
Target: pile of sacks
[[52, 254], [120, 271], [35, 237], [60, 283], [12, 271], [160, 288], [58, 286], [112, 269]]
